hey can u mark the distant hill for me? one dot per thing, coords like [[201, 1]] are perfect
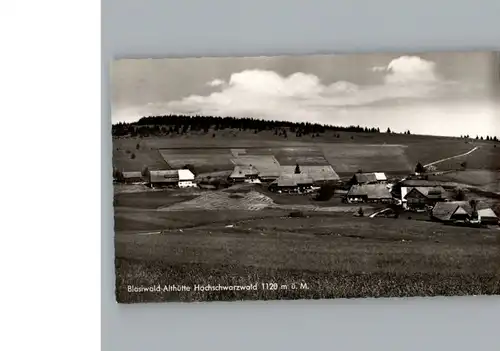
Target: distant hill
[[180, 124]]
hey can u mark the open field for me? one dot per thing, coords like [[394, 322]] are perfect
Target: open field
[[391, 153], [476, 177], [245, 235], [336, 255], [349, 158], [149, 211], [266, 164], [123, 149], [203, 159], [486, 157]]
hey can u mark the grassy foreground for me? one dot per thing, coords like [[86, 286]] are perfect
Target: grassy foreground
[[320, 285], [336, 255]]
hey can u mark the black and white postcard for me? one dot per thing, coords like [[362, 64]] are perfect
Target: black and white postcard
[[306, 177]]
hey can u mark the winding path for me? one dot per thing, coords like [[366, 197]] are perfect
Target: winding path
[[452, 157]]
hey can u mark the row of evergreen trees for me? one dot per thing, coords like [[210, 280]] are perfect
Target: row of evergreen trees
[[179, 124], [488, 138]]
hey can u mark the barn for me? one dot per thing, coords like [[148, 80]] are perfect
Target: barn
[[131, 177], [163, 178], [401, 189], [182, 178], [368, 178], [318, 174], [369, 193], [267, 166], [451, 211], [243, 173], [462, 211], [294, 183]]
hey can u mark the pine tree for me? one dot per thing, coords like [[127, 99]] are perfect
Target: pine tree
[[419, 168], [297, 169]]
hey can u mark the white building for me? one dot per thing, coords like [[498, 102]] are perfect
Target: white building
[[182, 178], [186, 179]]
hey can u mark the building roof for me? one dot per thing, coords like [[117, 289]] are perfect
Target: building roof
[[369, 177], [444, 210], [241, 171], [316, 173], [380, 176], [372, 191], [164, 176], [419, 183], [429, 192], [365, 178], [266, 165], [127, 175], [293, 180], [285, 182], [487, 213], [185, 174]]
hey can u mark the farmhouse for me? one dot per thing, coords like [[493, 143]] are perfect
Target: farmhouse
[[291, 183], [266, 165], [182, 178], [131, 177], [451, 211], [419, 198], [163, 178], [368, 178], [462, 211], [318, 174], [369, 193], [244, 174], [401, 189]]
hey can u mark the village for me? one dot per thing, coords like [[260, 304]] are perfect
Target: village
[[413, 196]]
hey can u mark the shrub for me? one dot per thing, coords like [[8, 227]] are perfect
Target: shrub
[[419, 168], [361, 213], [460, 195], [325, 193], [297, 214], [132, 156]]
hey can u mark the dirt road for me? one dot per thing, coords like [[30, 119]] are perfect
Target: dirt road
[[452, 157]]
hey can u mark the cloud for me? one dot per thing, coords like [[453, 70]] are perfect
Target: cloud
[[216, 83], [407, 80], [266, 94], [411, 69]]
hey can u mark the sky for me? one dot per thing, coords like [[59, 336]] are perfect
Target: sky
[[432, 93]]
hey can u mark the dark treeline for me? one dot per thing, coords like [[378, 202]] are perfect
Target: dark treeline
[[487, 138], [179, 124]]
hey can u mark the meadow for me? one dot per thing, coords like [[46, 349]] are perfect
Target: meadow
[[225, 237], [391, 153], [335, 255]]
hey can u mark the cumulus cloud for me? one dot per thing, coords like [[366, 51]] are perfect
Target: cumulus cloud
[[266, 94], [411, 69]]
